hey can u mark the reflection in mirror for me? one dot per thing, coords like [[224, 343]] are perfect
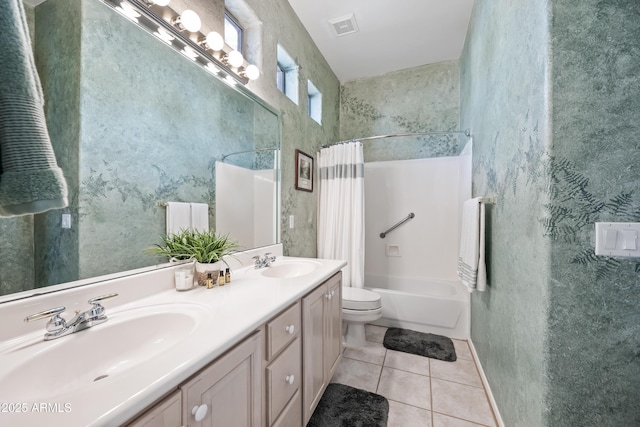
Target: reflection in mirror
[[246, 196], [133, 123]]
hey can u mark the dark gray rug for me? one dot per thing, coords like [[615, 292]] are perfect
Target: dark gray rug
[[420, 343], [344, 406]]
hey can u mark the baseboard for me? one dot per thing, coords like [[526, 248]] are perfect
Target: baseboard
[[485, 383]]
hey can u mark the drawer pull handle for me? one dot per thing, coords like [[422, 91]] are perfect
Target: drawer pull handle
[[290, 329], [290, 379], [199, 412]]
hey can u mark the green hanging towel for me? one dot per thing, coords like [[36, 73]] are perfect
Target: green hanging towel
[[30, 179]]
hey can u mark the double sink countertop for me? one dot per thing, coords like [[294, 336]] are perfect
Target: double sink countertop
[[155, 339]]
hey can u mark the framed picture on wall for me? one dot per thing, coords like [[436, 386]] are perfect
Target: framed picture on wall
[[304, 171]]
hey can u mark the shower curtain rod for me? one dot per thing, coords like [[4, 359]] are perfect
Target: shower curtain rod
[[248, 151], [465, 132]]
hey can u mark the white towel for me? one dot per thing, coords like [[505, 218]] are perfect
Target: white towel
[[178, 217], [471, 265], [199, 217]]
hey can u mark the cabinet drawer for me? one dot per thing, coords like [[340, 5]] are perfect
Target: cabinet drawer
[[282, 330], [284, 375], [292, 414]]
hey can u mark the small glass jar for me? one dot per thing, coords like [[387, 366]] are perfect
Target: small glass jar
[[184, 277]]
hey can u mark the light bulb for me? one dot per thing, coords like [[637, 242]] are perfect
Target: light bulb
[[235, 58], [190, 21], [252, 72], [215, 41]]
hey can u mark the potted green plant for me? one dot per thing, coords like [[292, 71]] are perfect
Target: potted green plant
[[205, 247]]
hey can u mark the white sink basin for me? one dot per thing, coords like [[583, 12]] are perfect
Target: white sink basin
[[128, 339], [286, 269]]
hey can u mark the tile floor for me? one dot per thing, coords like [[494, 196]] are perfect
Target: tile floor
[[421, 391]]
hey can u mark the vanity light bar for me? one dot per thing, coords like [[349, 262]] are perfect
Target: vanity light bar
[[157, 20]]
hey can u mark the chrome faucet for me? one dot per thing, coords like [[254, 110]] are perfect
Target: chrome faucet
[[58, 327], [265, 261]]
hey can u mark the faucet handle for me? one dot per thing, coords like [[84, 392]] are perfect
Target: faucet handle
[[97, 311], [96, 300], [53, 312], [56, 324]]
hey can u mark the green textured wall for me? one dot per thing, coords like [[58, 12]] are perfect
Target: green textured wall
[[57, 53], [594, 341], [413, 100], [158, 145], [504, 102], [550, 91]]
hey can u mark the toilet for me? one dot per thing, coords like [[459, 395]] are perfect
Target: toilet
[[359, 306]]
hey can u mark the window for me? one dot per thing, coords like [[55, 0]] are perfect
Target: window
[[280, 80], [287, 75], [232, 32], [314, 102]]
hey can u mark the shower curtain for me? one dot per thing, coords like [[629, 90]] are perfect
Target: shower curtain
[[341, 209]]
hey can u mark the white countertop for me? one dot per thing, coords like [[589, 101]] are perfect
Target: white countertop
[[227, 315]]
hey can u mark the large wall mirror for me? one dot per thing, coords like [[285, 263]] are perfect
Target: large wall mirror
[[136, 124]]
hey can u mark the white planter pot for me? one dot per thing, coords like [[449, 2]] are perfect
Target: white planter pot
[[203, 271]]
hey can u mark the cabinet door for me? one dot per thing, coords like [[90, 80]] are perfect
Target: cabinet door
[[313, 336], [164, 414], [333, 323], [230, 387]]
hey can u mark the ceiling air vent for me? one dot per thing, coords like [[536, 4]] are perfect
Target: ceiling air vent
[[344, 25]]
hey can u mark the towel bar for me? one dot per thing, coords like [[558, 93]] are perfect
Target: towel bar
[[384, 233], [491, 200]]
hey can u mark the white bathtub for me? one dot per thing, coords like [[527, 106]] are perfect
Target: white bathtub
[[434, 306]]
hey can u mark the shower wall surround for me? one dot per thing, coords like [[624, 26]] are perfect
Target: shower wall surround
[[414, 100], [555, 137], [426, 246]]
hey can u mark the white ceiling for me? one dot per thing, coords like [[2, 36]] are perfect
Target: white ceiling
[[393, 35]]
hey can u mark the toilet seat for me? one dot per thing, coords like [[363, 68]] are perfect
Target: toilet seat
[[361, 316], [360, 299]]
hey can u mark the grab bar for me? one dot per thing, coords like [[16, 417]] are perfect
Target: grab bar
[[384, 234]]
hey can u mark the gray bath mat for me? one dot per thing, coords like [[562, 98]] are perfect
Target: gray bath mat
[[344, 406], [420, 343]]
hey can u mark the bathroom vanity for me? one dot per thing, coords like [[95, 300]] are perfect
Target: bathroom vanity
[[257, 352]]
